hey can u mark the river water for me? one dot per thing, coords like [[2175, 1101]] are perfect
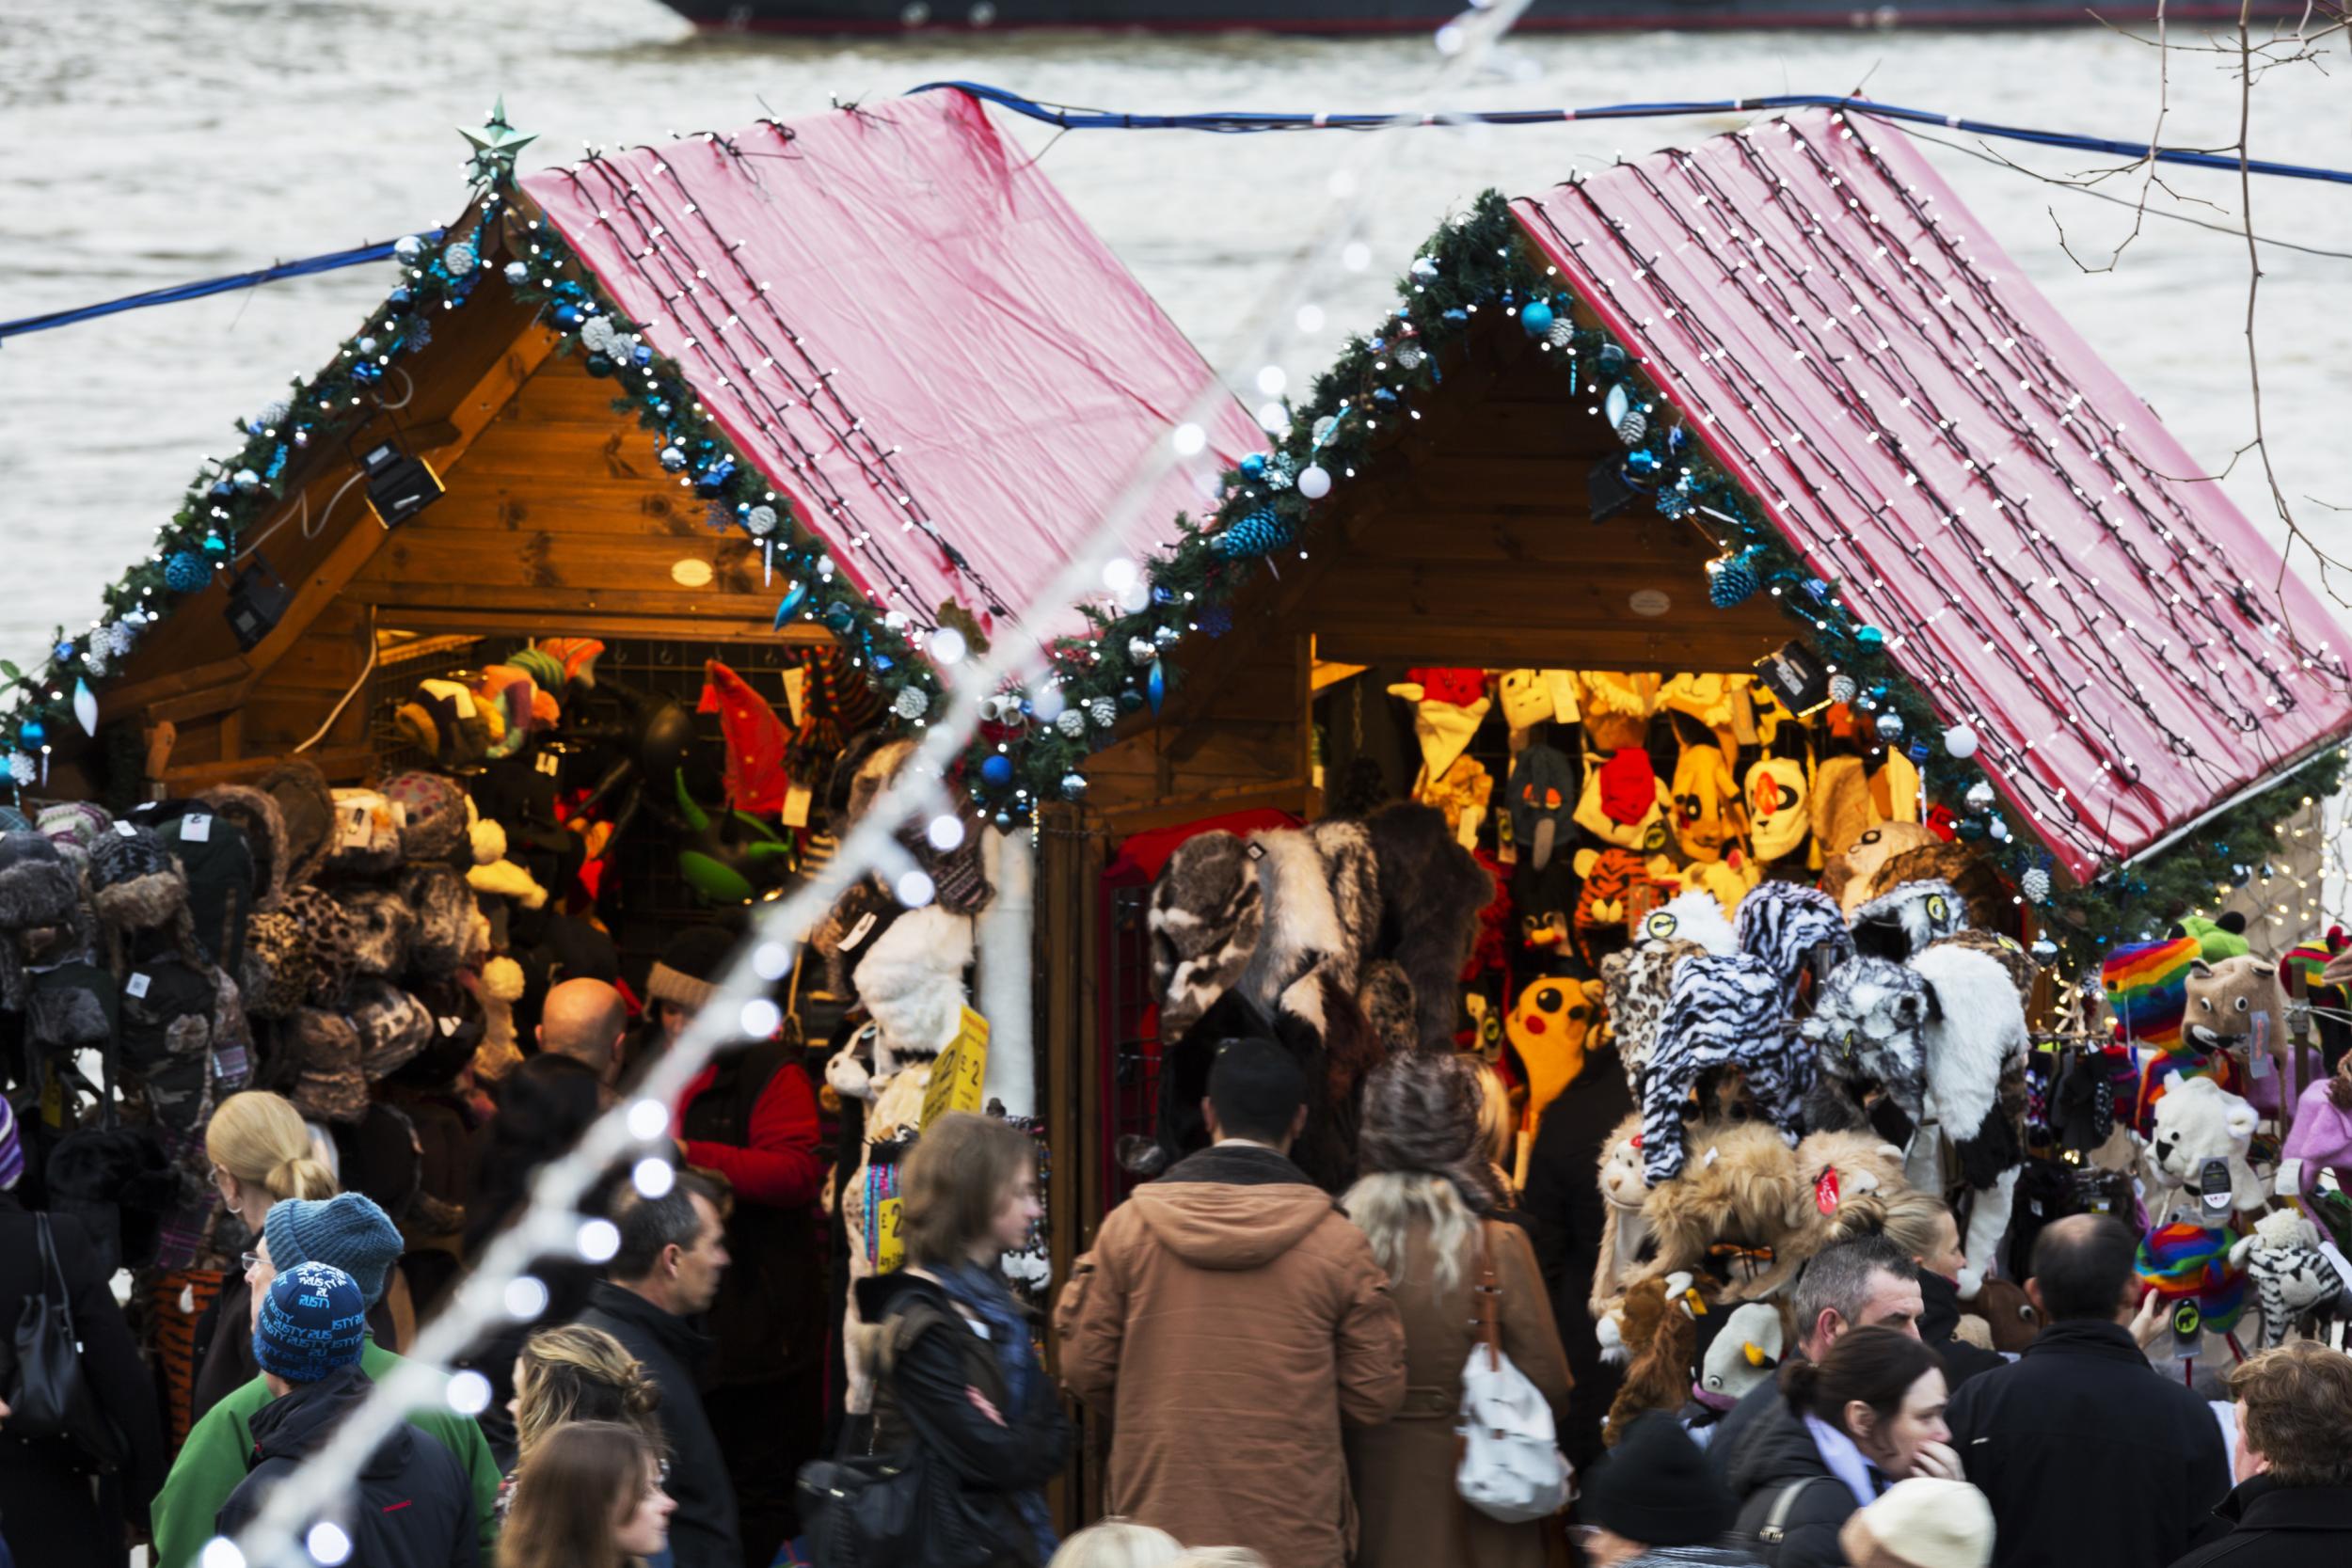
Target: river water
[[153, 141]]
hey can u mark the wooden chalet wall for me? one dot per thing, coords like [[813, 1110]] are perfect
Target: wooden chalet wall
[[557, 520], [1468, 540]]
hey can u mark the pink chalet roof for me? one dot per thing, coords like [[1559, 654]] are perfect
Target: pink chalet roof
[[1929, 434], [900, 319]]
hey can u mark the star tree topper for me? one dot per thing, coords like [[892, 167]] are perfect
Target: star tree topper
[[495, 146]]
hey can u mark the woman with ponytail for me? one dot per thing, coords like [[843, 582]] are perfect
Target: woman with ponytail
[[262, 1152], [1427, 1202], [1866, 1416], [576, 1373]]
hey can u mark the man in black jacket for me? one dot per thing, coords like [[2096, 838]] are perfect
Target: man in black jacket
[[414, 1504], [1864, 1283], [2293, 1506], [672, 1255], [2090, 1457]]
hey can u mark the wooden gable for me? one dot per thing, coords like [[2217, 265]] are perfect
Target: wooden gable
[[1467, 540]]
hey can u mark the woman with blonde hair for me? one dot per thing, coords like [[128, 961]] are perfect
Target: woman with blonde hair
[[576, 1373], [961, 1385], [261, 1153], [1924, 1227], [592, 1498], [1426, 1203]]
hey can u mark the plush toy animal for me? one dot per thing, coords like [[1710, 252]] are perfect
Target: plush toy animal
[[2011, 1320], [1937, 1037], [1906, 918], [1636, 986], [2232, 1006], [1655, 1334], [1549, 1027], [1724, 1012], [1747, 1351], [2292, 1279], [2199, 1120], [1729, 1209], [1623, 1229]]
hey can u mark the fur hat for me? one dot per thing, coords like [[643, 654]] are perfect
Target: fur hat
[[1796, 929], [138, 885], [434, 824], [1746, 1352], [1905, 918], [393, 1025], [1386, 1000], [1694, 917], [1421, 1117], [367, 833], [688, 970], [329, 1084], [1432, 891], [910, 981], [382, 928], [330, 945], [1724, 1012], [258, 816], [850, 929], [276, 964], [1636, 986], [37, 887], [458, 1024], [1203, 922], [1842, 811], [118, 1181], [305, 814], [443, 906]]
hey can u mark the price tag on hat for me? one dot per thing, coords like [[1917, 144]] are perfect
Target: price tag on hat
[[128, 830], [196, 828], [135, 986]]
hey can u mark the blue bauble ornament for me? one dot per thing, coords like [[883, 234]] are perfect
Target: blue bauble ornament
[[222, 490], [366, 374], [185, 571], [1130, 700], [598, 366], [1890, 727], [1254, 465], [1536, 318], [567, 317], [398, 301], [641, 356], [408, 249], [1869, 638], [838, 616], [32, 734], [996, 771], [1611, 358], [64, 652], [516, 275], [1074, 786], [714, 480], [215, 546]]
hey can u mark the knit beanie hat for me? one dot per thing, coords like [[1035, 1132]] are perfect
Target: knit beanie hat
[[688, 970], [132, 879], [348, 1231], [313, 1321], [1421, 1117], [11, 1146], [1540, 791], [1921, 1523], [1654, 1487], [73, 826], [432, 815]]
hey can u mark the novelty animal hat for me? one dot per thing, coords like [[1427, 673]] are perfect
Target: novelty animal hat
[[1724, 1012], [1778, 796], [1708, 814], [1797, 930], [1539, 790], [1623, 803], [1746, 1353]]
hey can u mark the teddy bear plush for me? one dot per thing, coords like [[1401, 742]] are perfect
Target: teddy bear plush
[[2199, 1120], [2231, 1005]]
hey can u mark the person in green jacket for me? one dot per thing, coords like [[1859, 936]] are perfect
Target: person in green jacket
[[351, 1232]]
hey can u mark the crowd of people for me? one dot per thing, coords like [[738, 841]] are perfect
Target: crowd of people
[[1279, 1373]]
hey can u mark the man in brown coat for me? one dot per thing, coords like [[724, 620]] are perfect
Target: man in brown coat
[[1227, 1321]]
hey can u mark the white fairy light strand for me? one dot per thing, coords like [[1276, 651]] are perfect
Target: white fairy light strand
[[549, 1223]]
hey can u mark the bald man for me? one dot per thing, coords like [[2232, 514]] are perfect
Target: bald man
[[584, 1019]]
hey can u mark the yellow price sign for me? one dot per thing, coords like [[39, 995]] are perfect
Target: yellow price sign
[[956, 1076], [890, 1247]]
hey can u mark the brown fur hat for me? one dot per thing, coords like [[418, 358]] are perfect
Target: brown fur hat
[[1386, 997], [444, 908], [2005, 950], [329, 1084], [1660, 1334], [1738, 1187], [383, 928], [1421, 1117], [1432, 891], [306, 811], [265, 827], [1206, 911]]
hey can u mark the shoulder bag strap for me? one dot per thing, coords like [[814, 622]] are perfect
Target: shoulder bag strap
[[53, 1270], [1489, 1297], [1776, 1522]]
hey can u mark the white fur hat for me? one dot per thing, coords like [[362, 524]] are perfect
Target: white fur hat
[[911, 981]]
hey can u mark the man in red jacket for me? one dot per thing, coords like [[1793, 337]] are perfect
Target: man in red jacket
[[751, 1117]]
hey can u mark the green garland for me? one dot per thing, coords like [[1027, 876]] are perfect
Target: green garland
[[1036, 744]]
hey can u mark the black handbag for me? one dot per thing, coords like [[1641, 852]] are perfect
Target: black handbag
[[863, 1511], [49, 1397]]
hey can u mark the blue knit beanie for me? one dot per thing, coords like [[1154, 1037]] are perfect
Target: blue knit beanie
[[312, 1321], [348, 1230]]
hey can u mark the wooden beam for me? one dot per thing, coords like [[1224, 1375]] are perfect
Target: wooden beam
[[576, 623], [564, 605], [1299, 797]]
